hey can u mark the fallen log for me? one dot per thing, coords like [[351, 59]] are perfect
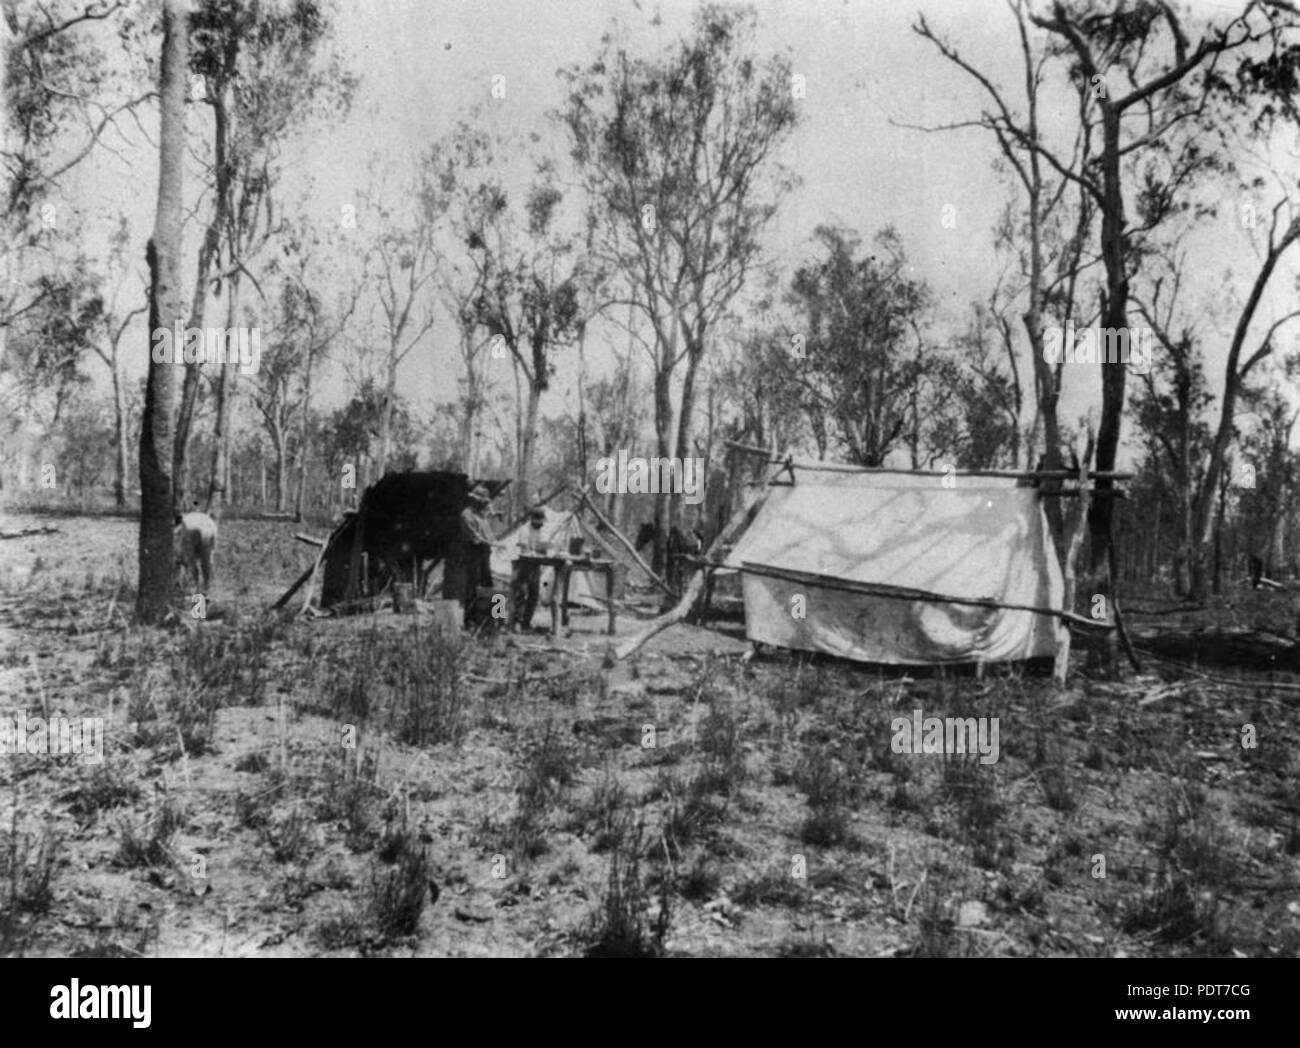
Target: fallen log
[[29, 532], [1253, 684], [1241, 649]]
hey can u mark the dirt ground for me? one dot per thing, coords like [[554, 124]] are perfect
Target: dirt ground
[[273, 786]]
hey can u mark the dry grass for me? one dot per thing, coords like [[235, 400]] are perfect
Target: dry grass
[[371, 786]]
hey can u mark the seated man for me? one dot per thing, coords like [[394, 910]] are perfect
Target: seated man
[[527, 580]]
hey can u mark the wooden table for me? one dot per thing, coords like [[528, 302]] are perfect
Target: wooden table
[[564, 565]]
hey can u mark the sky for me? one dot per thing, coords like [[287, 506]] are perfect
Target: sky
[[427, 64]]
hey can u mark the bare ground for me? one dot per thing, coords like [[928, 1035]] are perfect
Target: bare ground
[[281, 787]]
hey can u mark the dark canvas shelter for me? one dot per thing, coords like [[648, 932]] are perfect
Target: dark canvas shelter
[[406, 524]]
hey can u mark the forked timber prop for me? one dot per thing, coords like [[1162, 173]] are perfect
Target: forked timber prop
[[623, 540], [738, 522]]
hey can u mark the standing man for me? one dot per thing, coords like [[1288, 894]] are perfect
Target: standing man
[[528, 574], [476, 538]]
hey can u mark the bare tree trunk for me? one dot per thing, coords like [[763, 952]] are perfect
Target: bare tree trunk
[[528, 446], [1234, 376], [1061, 666], [1190, 579], [1153, 539], [218, 487], [469, 422], [583, 462], [281, 470], [663, 426], [914, 439], [519, 434], [281, 478], [707, 465], [1218, 535], [1017, 447], [686, 426], [1114, 315], [207, 252], [302, 438], [119, 423], [386, 416], [1277, 540], [1045, 383], [300, 464], [156, 555]]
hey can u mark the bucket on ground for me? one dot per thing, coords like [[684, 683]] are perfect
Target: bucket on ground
[[447, 615], [403, 598]]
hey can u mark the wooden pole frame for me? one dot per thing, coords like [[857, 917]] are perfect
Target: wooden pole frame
[[871, 589], [1005, 474], [740, 520], [586, 501]]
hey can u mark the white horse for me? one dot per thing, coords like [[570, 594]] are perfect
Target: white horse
[[196, 538]]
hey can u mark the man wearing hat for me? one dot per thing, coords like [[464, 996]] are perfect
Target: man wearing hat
[[476, 536], [528, 574]]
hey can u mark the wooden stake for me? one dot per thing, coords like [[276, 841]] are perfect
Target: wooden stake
[[288, 594]]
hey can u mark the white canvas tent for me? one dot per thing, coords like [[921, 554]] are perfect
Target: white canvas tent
[[881, 536], [586, 588]]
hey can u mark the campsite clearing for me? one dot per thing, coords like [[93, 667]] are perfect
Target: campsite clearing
[[774, 815]]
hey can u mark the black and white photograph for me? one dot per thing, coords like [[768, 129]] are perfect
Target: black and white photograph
[[652, 479]]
